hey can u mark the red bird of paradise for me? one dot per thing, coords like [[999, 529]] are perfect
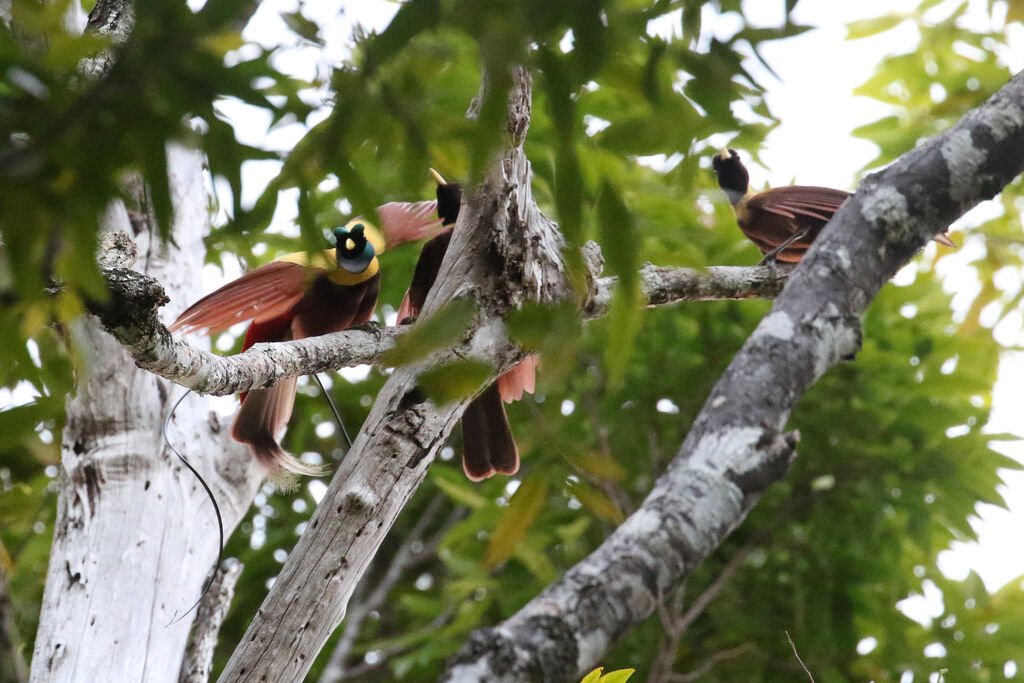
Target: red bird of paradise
[[303, 295], [488, 446], [781, 221]]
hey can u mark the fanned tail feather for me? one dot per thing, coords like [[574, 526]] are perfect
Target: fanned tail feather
[[522, 378], [487, 443]]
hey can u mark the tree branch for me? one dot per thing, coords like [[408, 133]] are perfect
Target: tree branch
[[212, 609], [412, 551], [736, 447], [130, 316], [403, 432]]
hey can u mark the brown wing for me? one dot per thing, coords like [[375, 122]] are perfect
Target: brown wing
[[264, 293], [799, 200]]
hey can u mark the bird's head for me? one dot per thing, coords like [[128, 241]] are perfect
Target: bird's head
[[732, 174], [355, 245], [449, 199]]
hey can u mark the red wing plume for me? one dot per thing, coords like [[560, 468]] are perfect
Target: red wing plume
[[263, 414], [521, 378], [402, 222], [264, 293], [807, 200]]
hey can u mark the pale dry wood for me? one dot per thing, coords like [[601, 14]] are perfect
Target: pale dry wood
[[210, 614]]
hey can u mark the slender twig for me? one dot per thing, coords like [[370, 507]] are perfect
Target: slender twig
[[676, 626], [386, 654], [213, 608], [710, 663], [712, 591], [797, 655]]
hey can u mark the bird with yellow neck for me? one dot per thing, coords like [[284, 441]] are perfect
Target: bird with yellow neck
[[304, 295]]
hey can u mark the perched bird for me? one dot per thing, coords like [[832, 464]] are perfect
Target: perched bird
[[487, 443], [303, 295], [782, 221]]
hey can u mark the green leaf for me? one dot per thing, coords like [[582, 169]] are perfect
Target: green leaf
[[620, 676], [868, 27], [457, 487], [521, 513], [443, 328], [621, 248], [454, 381]]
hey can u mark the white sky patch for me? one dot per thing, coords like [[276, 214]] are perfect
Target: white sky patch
[[923, 607], [357, 373], [316, 489], [667, 406]]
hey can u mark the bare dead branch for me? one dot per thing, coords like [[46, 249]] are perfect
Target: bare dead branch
[[213, 608]]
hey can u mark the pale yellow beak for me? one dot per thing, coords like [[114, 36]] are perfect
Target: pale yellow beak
[[437, 177]]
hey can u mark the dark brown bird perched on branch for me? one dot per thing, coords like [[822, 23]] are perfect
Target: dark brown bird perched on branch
[[303, 295], [782, 221], [488, 446]]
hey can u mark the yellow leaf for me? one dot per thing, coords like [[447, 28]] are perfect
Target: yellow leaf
[[594, 676], [620, 676], [596, 501]]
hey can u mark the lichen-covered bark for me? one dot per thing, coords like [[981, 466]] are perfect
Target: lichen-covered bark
[[736, 448]]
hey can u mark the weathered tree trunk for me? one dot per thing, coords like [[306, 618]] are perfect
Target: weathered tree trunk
[[135, 534], [736, 447]]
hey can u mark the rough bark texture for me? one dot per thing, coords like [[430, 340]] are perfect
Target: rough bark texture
[[500, 237], [736, 447], [135, 534], [209, 618]]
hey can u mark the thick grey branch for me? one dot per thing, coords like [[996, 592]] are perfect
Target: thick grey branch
[[736, 448], [130, 316]]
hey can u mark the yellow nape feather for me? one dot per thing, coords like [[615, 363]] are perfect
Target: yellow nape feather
[[326, 260], [373, 235]]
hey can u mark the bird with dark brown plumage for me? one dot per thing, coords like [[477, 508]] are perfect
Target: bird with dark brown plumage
[[488, 446], [303, 295], [782, 221]]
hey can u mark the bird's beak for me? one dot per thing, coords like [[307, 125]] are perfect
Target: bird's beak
[[350, 244], [437, 177], [724, 153]]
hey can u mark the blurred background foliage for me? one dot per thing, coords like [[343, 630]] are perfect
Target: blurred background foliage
[[893, 460]]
